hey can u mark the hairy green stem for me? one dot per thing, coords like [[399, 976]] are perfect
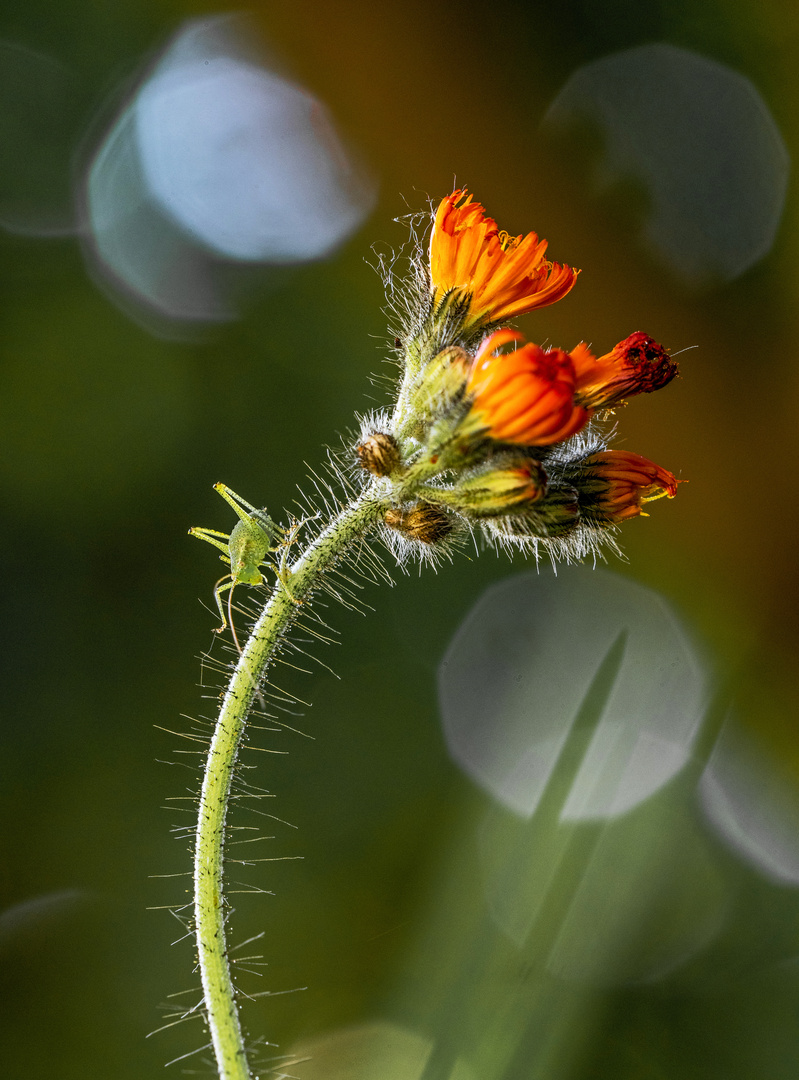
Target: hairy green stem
[[354, 521]]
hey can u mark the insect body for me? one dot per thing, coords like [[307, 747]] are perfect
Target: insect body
[[246, 548]]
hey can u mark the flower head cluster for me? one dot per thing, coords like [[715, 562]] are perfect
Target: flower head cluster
[[495, 433]]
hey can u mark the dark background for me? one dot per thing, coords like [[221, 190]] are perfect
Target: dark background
[[112, 438]]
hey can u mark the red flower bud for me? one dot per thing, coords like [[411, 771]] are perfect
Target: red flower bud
[[637, 365]]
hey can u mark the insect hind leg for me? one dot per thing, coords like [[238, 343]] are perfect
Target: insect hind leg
[[246, 511]]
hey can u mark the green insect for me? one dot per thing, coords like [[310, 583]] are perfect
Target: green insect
[[246, 548]]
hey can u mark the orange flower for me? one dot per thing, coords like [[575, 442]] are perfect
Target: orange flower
[[503, 276], [525, 396], [637, 365], [615, 484]]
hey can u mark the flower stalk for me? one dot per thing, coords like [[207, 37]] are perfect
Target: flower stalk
[[209, 902]]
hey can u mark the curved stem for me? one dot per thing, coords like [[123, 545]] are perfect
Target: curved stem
[[354, 521]]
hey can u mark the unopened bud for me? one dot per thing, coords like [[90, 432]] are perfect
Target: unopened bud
[[424, 522], [509, 489], [440, 382], [637, 365], [379, 454], [554, 515]]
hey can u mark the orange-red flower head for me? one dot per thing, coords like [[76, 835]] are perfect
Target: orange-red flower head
[[615, 484], [525, 396], [503, 276], [637, 365]]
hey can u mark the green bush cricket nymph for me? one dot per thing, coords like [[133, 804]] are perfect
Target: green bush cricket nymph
[[254, 537]]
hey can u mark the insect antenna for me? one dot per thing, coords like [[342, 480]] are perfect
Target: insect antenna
[[230, 617]]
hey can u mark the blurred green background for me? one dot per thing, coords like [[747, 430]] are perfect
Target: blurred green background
[[111, 440]]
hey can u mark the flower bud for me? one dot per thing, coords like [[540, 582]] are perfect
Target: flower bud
[[424, 522], [497, 491], [444, 377], [427, 397], [637, 365], [556, 514], [379, 453], [614, 485]]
